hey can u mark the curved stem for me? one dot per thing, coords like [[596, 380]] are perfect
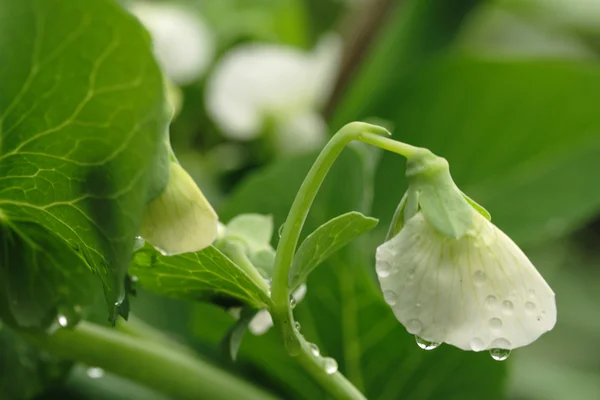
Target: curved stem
[[165, 369], [336, 384]]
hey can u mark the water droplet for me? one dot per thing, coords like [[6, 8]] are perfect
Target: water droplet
[[95, 372], [491, 301], [530, 306], [390, 297], [477, 344], [293, 303], [138, 243], [495, 323], [507, 306], [62, 320], [314, 349], [280, 230], [501, 343], [330, 365], [425, 344], [297, 326], [383, 269], [499, 354], [479, 277], [414, 326]]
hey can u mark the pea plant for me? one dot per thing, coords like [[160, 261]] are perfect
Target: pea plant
[[294, 290]]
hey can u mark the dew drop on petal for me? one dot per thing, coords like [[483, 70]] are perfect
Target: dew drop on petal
[[495, 323], [507, 306], [499, 354], [425, 344], [95, 372], [390, 297], [530, 306], [477, 344], [491, 301], [330, 365], [383, 269], [479, 277], [414, 326], [314, 349]]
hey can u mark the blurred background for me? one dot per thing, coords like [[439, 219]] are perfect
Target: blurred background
[[508, 91]]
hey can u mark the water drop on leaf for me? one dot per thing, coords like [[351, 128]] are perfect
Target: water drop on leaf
[[314, 349], [330, 365]]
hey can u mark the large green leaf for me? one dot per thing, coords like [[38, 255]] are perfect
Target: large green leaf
[[325, 241], [82, 130], [513, 141], [207, 275], [344, 312]]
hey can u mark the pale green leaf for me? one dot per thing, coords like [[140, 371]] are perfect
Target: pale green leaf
[[325, 241], [82, 136], [207, 275]]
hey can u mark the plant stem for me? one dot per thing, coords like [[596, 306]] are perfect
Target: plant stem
[[148, 362], [336, 384]]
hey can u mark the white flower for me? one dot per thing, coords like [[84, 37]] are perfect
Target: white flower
[[258, 84], [262, 321], [477, 292], [180, 219], [183, 45]]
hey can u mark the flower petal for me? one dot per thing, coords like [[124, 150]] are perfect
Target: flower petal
[[182, 42], [180, 219], [476, 293]]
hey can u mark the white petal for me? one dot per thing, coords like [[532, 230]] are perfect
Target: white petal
[[182, 42], [476, 293], [180, 219], [261, 323], [299, 293]]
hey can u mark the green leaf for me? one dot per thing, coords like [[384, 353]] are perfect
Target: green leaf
[[82, 135], [254, 230], [514, 145], [25, 371], [233, 339], [207, 275], [325, 241]]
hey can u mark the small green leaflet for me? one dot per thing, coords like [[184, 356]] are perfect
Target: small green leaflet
[[326, 240], [207, 275], [82, 149], [231, 342]]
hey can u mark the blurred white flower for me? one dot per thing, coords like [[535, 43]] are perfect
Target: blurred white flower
[[259, 85], [262, 321], [183, 44], [478, 292]]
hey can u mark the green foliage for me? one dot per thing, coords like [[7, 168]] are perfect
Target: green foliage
[[325, 241], [206, 275], [82, 135]]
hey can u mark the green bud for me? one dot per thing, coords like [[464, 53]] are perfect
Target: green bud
[[432, 191], [180, 219]]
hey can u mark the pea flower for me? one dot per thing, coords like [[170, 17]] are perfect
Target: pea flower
[[451, 276], [180, 219], [259, 87], [183, 44]]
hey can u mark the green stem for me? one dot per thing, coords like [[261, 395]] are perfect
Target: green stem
[[336, 384], [165, 369]]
